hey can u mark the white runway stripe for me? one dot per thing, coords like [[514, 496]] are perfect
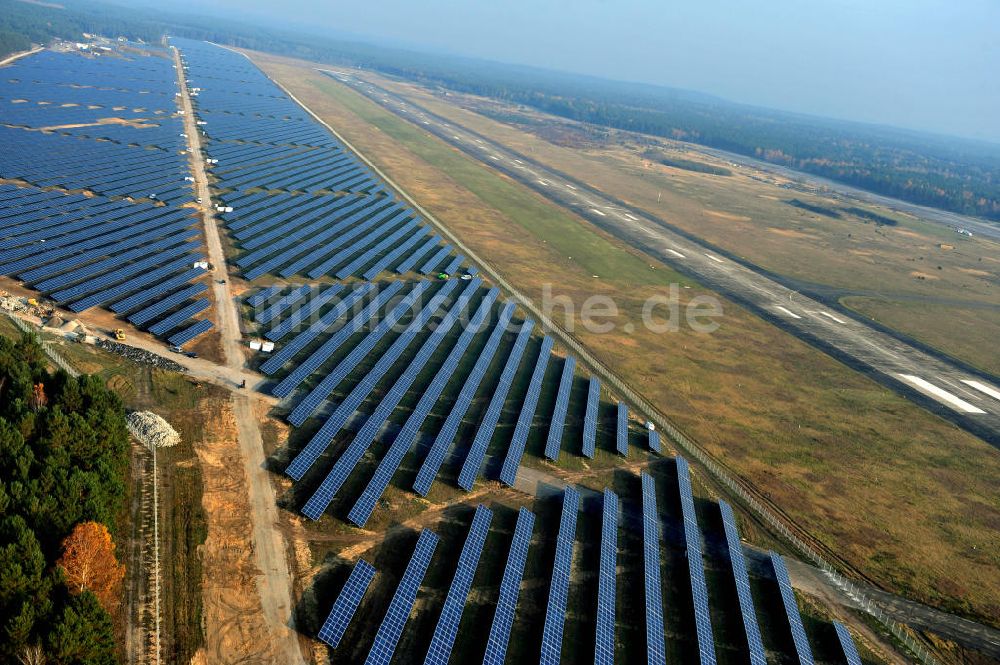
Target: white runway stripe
[[983, 388], [939, 394]]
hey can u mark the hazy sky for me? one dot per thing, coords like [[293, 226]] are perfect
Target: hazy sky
[[923, 64]]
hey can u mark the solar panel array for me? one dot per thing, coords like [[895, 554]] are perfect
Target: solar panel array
[[302, 203], [654, 441], [802, 649], [604, 650], [739, 568], [445, 437], [111, 129], [451, 613], [488, 422], [847, 644], [621, 431], [655, 647], [555, 610], [554, 441], [347, 603], [512, 461], [402, 601], [510, 589], [696, 566], [590, 417]]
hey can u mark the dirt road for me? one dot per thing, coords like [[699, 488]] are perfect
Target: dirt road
[[274, 580]]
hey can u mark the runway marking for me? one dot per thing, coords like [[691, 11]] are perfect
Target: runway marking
[[426, 123], [831, 316], [714, 258], [518, 161], [787, 311], [634, 219], [983, 388], [455, 137], [676, 253], [598, 212], [939, 394], [494, 158], [542, 182], [571, 187]]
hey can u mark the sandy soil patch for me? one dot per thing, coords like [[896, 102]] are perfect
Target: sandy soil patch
[[727, 215], [790, 233], [923, 275]]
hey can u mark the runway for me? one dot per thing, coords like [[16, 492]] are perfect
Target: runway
[[967, 398]]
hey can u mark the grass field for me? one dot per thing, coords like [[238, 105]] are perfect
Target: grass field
[[898, 494], [754, 215]]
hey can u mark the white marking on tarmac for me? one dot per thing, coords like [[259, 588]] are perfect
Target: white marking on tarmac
[[542, 182], [831, 316], [598, 212], [455, 137], [983, 388], [634, 219], [939, 394], [571, 187], [714, 258], [518, 161], [787, 311], [494, 158], [677, 254]]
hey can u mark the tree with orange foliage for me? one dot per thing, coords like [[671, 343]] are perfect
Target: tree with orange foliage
[[89, 563], [38, 397]]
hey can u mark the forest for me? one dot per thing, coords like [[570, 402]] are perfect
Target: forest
[[64, 454], [953, 174]]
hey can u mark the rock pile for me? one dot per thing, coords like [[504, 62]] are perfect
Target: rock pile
[[151, 430], [139, 355]]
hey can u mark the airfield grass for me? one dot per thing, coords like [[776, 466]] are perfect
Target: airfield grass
[[749, 215], [895, 493], [965, 332]]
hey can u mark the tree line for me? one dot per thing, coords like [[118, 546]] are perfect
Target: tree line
[[64, 455]]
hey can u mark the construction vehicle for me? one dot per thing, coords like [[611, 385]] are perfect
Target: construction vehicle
[[32, 302], [118, 334]]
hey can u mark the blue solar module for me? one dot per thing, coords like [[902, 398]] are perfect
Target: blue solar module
[[455, 263], [847, 644], [554, 442], [802, 649], [267, 314], [510, 589], [304, 338], [302, 315], [738, 565], [407, 264], [260, 297], [654, 440], [323, 353], [696, 566], [451, 613], [604, 650], [350, 457], [555, 610], [366, 502], [394, 253], [347, 603], [402, 601], [434, 261], [137, 282], [442, 442], [322, 390], [508, 473], [189, 333], [655, 647], [621, 433], [147, 314], [153, 292], [488, 422], [175, 319], [590, 417]]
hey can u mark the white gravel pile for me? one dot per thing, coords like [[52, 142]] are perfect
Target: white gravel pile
[[151, 429]]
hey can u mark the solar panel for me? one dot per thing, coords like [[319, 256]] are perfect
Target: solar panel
[[402, 601], [696, 566], [435, 457], [604, 650], [655, 647], [488, 422], [302, 315], [558, 421], [407, 434], [847, 644], [590, 417], [322, 390], [510, 589], [189, 333], [654, 440], [621, 433], [347, 603], [508, 473], [802, 649], [555, 611], [451, 613], [169, 323], [147, 314], [270, 312], [739, 569]]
